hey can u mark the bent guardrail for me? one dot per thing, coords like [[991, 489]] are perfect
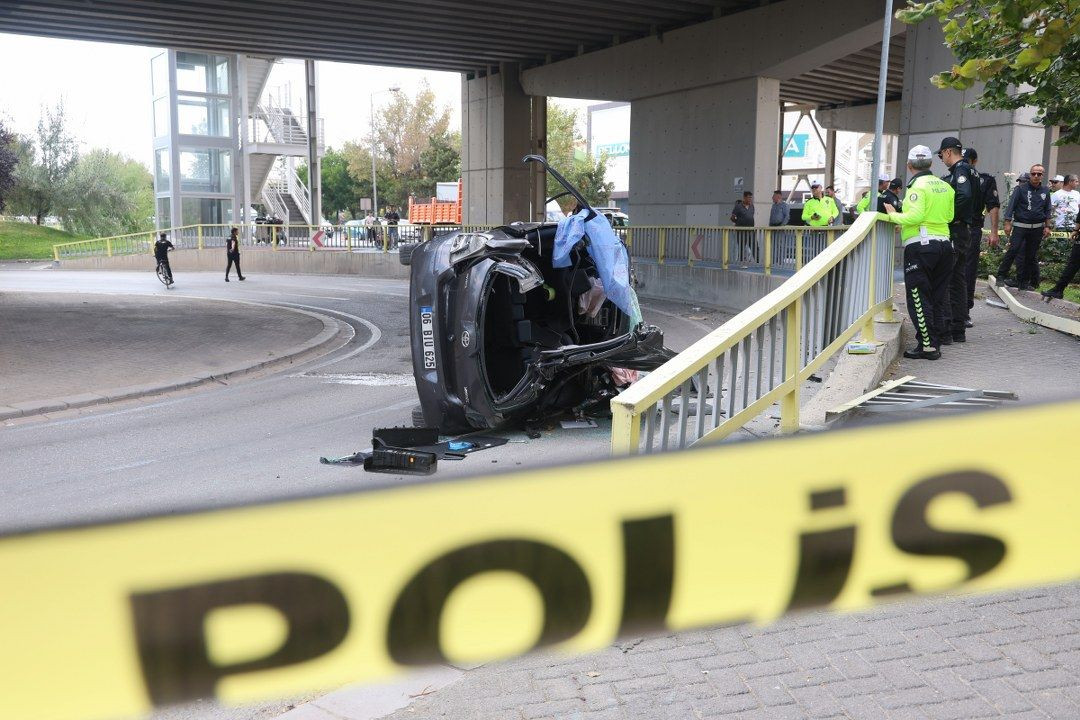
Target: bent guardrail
[[762, 355]]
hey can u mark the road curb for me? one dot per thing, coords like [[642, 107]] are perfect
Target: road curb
[[854, 375], [31, 408]]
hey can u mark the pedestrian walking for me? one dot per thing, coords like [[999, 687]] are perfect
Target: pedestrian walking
[[369, 227], [987, 204], [816, 212], [1071, 268], [1065, 204], [928, 256], [837, 205], [964, 181], [1027, 222], [232, 252], [780, 214]]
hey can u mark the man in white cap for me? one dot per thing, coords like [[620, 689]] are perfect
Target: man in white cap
[[882, 186], [816, 212], [928, 254], [1065, 204], [1056, 182]]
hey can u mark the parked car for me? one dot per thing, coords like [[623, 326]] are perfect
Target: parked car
[[496, 330], [615, 216]]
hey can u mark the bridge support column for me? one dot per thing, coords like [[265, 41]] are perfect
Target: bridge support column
[[694, 152], [314, 138], [1007, 141], [497, 130]]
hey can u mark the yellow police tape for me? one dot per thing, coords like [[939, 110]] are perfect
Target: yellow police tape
[[298, 595]]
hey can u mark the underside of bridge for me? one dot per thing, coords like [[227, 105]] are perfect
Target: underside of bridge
[[706, 79]]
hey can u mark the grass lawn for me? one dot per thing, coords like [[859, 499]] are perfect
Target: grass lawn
[[26, 241]]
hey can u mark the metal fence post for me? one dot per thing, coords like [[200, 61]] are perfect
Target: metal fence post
[[385, 242], [725, 251], [200, 237], [108, 247], [789, 403], [798, 249], [630, 238], [274, 237], [868, 326], [625, 431], [348, 238], [768, 252], [663, 241], [426, 233]]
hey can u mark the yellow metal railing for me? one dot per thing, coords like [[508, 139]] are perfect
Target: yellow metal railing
[[766, 248], [762, 356], [348, 236]]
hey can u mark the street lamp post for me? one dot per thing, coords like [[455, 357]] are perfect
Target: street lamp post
[[374, 180]]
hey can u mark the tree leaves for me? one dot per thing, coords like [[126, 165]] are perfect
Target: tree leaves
[[1009, 45]]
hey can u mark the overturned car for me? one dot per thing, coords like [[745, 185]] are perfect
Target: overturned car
[[525, 320]]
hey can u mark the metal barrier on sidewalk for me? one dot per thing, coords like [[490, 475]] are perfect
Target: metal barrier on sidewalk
[[764, 354]]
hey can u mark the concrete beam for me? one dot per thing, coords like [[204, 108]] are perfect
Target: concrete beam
[[781, 41], [860, 118]]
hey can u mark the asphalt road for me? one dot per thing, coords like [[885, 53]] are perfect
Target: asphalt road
[[253, 439]]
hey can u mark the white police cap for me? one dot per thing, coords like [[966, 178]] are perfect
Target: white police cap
[[919, 151]]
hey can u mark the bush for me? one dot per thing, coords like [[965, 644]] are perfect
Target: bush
[[1053, 253]]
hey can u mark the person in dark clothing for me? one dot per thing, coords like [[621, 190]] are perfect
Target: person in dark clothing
[[987, 203], [964, 181], [161, 254], [891, 195], [1071, 268], [232, 252], [743, 212], [392, 219], [1027, 221]]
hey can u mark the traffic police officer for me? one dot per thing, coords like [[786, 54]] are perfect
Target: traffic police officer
[[928, 254], [987, 203], [965, 182], [816, 212]]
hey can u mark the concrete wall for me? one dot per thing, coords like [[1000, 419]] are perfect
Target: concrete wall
[[288, 262], [731, 290], [690, 147]]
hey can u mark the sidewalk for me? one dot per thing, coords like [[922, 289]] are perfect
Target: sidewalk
[[71, 350]]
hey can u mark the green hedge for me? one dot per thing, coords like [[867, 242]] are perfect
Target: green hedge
[[1053, 253]]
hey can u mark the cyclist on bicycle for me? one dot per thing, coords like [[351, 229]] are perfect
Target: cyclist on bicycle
[[161, 254]]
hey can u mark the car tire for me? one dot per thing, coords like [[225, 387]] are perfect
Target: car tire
[[418, 417], [405, 251]]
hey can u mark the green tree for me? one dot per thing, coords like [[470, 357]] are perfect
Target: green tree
[[566, 154], [39, 180], [340, 191], [9, 159], [440, 162], [1027, 52], [108, 194]]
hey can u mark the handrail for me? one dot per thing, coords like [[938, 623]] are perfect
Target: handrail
[[765, 353]]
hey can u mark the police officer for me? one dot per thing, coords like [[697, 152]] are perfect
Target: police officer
[[892, 195], [1027, 222], [965, 182], [987, 203], [928, 254], [882, 186]]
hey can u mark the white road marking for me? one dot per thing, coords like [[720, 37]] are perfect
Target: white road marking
[[368, 379]]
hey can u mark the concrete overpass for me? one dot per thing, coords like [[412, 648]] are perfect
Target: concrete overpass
[[706, 79]]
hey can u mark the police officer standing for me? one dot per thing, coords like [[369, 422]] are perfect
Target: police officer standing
[[964, 181], [987, 203], [1027, 222], [928, 254]]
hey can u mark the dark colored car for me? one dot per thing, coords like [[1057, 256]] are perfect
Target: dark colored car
[[497, 334]]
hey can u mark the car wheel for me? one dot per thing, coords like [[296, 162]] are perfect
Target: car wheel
[[418, 417], [405, 251]]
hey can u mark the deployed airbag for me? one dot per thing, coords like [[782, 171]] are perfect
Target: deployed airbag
[[607, 251]]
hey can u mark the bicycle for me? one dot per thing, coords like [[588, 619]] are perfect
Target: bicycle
[[164, 274]]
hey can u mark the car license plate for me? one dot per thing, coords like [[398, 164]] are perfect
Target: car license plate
[[427, 333]]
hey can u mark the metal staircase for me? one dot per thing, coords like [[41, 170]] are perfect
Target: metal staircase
[[277, 137]]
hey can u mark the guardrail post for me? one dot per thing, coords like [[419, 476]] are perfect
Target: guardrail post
[[108, 247], [385, 242], [348, 238], [625, 431], [868, 326], [629, 238], [663, 242], [426, 233], [56, 253], [768, 252], [724, 251], [798, 249], [789, 403], [198, 230]]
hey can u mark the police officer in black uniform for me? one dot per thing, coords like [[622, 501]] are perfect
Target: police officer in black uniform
[[965, 182], [987, 203], [892, 196]]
